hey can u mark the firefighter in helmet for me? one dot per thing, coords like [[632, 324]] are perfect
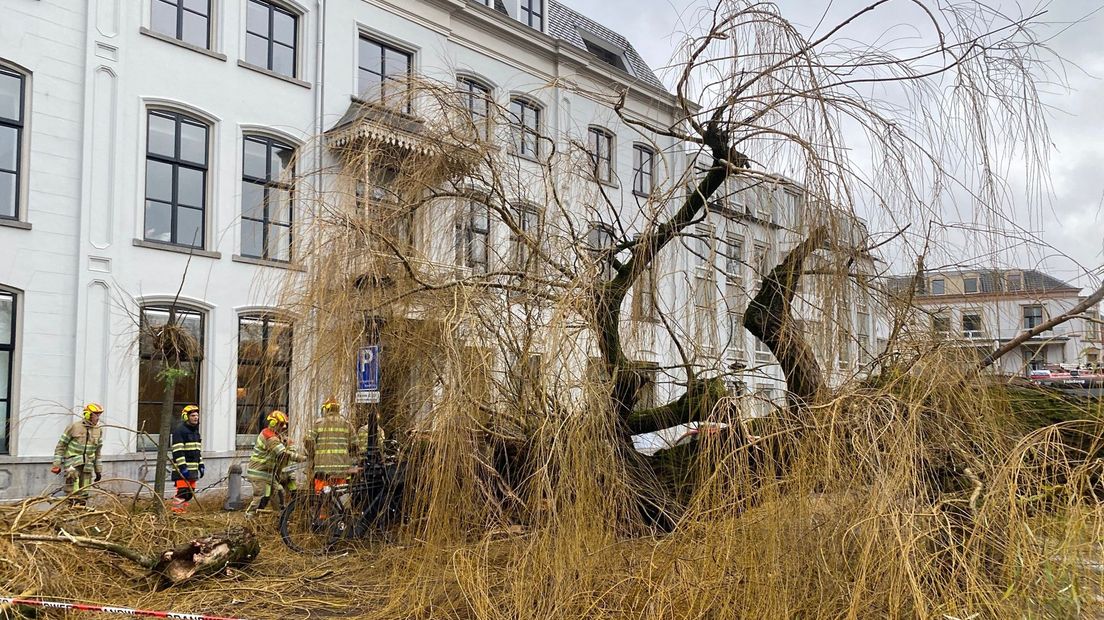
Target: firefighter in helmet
[[267, 465], [78, 453], [187, 456], [328, 446]]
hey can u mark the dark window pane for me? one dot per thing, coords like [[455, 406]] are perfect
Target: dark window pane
[[370, 56], [163, 17], [159, 181], [162, 135], [369, 85], [254, 159], [199, 6], [10, 101], [279, 242], [256, 50], [252, 200], [187, 387], [396, 63], [189, 226], [5, 368], [9, 147], [279, 208], [283, 28], [7, 310], [194, 29], [158, 226], [281, 162], [193, 143], [190, 187], [256, 18], [283, 60], [252, 238]]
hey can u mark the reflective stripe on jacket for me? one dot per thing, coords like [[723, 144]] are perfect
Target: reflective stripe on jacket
[[187, 450], [80, 446], [329, 444]]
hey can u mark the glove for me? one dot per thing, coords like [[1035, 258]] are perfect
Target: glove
[[184, 471], [99, 476], [202, 469], [56, 469]]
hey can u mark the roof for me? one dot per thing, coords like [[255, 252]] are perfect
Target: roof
[[565, 24], [992, 281]]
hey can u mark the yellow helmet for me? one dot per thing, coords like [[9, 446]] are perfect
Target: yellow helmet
[[276, 418], [91, 408], [188, 409], [330, 405]]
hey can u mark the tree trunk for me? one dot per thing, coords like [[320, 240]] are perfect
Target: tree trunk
[[769, 319]]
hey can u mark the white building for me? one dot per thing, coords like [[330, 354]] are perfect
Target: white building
[[981, 310], [144, 147]]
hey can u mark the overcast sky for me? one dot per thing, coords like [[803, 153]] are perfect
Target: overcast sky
[[1072, 216]]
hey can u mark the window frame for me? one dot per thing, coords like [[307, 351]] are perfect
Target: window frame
[[268, 186], [11, 349], [471, 89], [527, 14], [639, 173], [530, 221], [1035, 321], [266, 319], [270, 37], [382, 97], [976, 285], [520, 129], [166, 307], [602, 167], [467, 234], [972, 333], [20, 127], [176, 163], [179, 34], [942, 286]]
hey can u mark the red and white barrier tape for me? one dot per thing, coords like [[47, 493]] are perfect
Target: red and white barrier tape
[[34, 602]]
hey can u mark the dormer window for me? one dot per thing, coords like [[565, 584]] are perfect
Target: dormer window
[[937, 286], [532, 14], [970, 285], [605, 54], [1014, 282]]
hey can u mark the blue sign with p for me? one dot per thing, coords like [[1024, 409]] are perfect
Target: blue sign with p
[[367, 368]]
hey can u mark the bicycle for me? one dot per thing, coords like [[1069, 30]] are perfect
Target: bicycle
[[322, 523]]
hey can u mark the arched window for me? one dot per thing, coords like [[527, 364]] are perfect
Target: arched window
[[13, 115], [170, 348], [476, 98], [264, 372], [525, 126], [7, 364], [267, 198], [176, 178], [473, 235]]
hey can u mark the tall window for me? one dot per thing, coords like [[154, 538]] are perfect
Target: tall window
[[473, 233], [264, 373], [601, 154], [267, 196], [384, 74], [762, 259], [12, 85], [7, 362], [736, 349], [532, 13], [525, 127], [862, 329], [1032, 316], [187, 20], [270, 37], [528, 221], [476, 99], [734, 267], [176, 352], [600, 242], [176, 179], [643, 170]]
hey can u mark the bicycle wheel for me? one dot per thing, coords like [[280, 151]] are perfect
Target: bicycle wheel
[[313, 524]]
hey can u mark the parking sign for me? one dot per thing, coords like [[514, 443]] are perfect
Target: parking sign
[[367, 369]]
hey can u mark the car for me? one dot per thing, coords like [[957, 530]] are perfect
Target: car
[[1039, 374]]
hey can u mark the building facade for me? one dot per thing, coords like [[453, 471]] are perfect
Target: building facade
[[979, 311], [157, 159]]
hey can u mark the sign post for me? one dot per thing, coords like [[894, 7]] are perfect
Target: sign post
[[368, 384]]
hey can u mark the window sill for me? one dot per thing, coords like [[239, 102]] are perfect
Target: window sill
[[609, 184], [177, 42], [179, 249], [15, 224], [265, 262], [273, 74]]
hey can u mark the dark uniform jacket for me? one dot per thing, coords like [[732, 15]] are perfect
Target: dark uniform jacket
[[187, 450]]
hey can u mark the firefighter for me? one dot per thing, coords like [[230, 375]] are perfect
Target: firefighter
[[267, 463], [362, 439], [78, 451], [187, 454], [329, 445]]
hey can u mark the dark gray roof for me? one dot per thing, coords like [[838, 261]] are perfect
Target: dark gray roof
[[993, 281], [565, 23]]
